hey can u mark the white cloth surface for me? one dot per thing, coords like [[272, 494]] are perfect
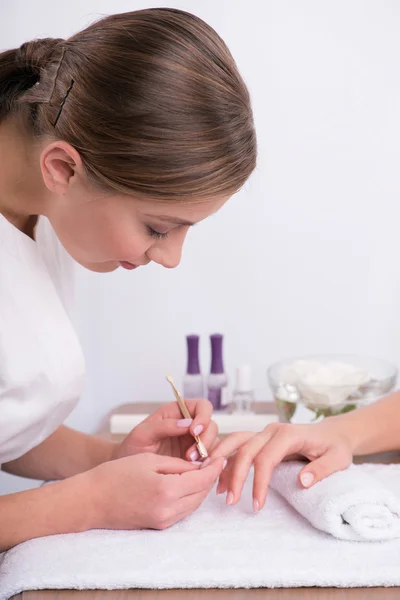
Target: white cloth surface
[[350, 505], [218, 546], [41, 362]]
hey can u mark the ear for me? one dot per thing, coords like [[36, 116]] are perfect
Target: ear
[[59, 163]]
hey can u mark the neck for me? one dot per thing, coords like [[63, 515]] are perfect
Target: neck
[[23, 193]]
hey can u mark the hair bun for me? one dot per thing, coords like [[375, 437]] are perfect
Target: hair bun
[[36, 54]]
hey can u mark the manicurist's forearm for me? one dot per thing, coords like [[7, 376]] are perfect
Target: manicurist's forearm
[[62, 507], [65, 453]]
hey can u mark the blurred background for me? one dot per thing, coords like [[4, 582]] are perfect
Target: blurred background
[[305, 259]]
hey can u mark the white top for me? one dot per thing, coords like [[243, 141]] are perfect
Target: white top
[[41, 361]]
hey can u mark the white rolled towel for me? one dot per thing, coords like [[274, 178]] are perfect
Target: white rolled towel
[[350, 504]]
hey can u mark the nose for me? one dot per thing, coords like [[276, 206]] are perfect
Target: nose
[[168, 257]]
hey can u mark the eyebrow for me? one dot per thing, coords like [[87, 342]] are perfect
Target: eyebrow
[[175, 220]]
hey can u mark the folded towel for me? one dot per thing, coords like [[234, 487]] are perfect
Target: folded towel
[[217, 547], [351, 504]]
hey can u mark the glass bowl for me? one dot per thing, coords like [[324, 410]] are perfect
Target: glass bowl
[[308, 389]]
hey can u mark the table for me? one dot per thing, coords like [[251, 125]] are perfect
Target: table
[[259, 594], [212, 594]]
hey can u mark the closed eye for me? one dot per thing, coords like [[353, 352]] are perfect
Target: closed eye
[[157, 235]]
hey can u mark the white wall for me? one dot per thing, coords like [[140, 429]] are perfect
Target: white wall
[[305, 258]]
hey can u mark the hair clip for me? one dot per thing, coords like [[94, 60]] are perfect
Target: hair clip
[[71, 85]]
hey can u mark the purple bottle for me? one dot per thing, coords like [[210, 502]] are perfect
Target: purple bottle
[[193, 384], [217, 382]]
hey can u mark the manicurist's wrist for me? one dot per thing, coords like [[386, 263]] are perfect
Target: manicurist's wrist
[[93, 486], [100, 451], [113, 451]]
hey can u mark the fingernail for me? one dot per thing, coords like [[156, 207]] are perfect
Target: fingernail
[[224, 465], [256, 505], [218, 490], [196, 462], [229, 498], [205, 463], [185, 422], [198, 429], [194, 455], [307, 479], [218, 440]]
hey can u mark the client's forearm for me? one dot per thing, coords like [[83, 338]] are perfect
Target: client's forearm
[[374, 428]]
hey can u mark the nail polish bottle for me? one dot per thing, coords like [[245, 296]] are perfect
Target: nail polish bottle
[[193, 384], [217, 382], [243, 394]]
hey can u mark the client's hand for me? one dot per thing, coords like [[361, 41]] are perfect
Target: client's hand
[[322, 444], [165, 432]]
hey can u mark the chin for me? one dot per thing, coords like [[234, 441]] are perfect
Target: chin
[[107, 267]]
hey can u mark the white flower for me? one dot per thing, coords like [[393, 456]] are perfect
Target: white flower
[[324, 383]]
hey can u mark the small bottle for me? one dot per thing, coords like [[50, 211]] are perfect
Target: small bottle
[[217, 382], [243, 394], [193, 384]]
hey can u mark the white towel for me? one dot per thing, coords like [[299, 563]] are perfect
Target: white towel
[[350, 505], [217, 547]]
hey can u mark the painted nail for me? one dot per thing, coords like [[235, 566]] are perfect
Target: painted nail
[[185, 422], [194, 455], [307, 479], [198, 429], [256, 505], [224, 465], [229, 498], [205, 462]]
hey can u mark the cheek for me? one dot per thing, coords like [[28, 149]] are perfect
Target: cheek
[[125, 241], [127, 247], [93, 239]]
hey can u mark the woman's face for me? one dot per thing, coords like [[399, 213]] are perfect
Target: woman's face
[[105, 230]]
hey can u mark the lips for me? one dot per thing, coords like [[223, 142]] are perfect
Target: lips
[[127, 265]]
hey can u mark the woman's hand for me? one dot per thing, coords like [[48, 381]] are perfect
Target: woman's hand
[[322, 444], [165, 432], [135, 492], [147, 491]]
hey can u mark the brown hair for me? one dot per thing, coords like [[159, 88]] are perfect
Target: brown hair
[[152, 100]]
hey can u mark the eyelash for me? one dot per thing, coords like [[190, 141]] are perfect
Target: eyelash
[[156, 234]]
